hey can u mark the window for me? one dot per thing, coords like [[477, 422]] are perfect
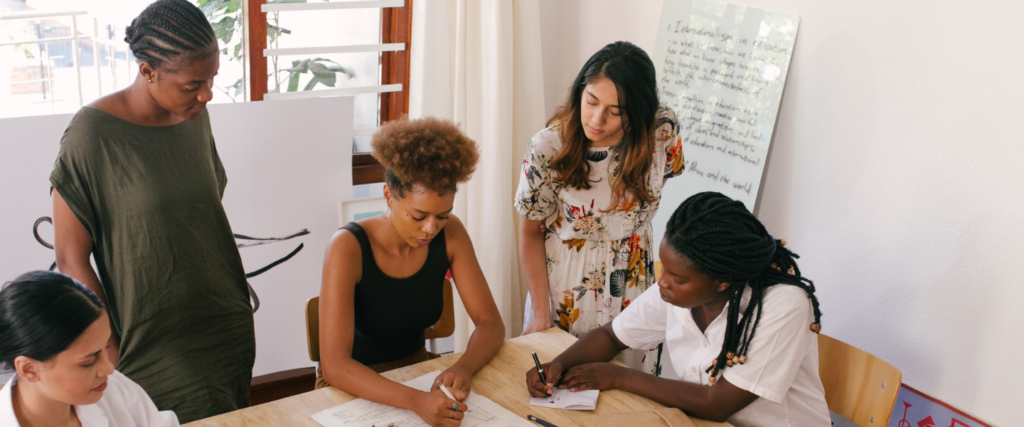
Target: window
[[335, 48], [58, 55]]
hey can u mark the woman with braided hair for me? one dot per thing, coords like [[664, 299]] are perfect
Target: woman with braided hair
[[738, 318], [137, 186]]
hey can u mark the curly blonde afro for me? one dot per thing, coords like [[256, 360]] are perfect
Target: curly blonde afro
[[430, 152]]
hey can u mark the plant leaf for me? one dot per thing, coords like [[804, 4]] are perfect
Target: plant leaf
[[341, 69], [320, 70]]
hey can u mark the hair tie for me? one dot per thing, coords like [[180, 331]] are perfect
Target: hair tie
[[774, 245]]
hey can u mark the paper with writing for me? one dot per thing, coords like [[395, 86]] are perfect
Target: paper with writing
[[483, 412], [721, 68], [564, 399]]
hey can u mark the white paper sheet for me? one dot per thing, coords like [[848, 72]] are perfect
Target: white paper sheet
[[483, 412], [564, 399]]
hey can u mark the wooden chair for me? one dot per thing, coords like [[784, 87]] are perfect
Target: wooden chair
[[858, 385], [444, 327]]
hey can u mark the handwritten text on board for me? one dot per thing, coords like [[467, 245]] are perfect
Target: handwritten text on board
[[721, 68]]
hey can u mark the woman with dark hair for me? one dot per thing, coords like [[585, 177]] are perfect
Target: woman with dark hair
[[138, 186], [383, 276], [591, 184], [54, 333], [745, 347]]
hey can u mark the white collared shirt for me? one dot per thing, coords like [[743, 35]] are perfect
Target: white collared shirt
[[782, 362], [124, 404]]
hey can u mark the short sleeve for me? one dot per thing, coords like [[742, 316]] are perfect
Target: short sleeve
[[218, 168], [535, 196], [642, 324], [71, 172], [780, 344], [667, 137]]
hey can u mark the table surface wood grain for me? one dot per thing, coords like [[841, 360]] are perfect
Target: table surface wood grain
[[503, 380]]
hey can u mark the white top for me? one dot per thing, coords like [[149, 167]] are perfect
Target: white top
[[124, 404], [782, 362]]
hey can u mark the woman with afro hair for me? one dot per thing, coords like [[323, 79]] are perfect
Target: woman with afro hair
[[383, 276]]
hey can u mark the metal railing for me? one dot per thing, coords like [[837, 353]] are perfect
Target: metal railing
[[99, 44]]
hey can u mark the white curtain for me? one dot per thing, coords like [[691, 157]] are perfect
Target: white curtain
[[478, 63]]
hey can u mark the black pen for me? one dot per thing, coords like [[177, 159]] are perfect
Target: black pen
[[540, 421], [539, 369]]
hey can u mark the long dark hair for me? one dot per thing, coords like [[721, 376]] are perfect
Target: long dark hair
[[725, 241], [42, 313], [169, 29], [633, 74]]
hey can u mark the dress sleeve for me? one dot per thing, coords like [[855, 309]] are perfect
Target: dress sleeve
[[535, 197], [779, 346], [642, 324], [71, 176], [667, 136], [218, 168]]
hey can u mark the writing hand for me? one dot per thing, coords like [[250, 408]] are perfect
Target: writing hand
[[457, 380], [436, 409], [552, 372]]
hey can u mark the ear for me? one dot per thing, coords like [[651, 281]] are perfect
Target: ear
[[388, 196], [27, 368], [148, 72], [722, 286]]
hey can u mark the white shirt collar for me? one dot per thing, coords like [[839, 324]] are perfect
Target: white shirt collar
[[88, 415]]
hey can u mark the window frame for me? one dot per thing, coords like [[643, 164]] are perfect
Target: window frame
[[396, 27]]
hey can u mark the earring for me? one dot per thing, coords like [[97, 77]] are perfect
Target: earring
[[151, 80]]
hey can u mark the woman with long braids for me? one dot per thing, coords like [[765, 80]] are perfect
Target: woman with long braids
[[739, 319], [591, 184], [137, 185]]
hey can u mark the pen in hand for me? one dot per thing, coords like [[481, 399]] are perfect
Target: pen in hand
[[448, 393], [540, 370]]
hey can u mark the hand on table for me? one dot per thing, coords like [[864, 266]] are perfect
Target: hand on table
[[456, 380], [552, 373], [593, 376], [538, 324], [436, 409]]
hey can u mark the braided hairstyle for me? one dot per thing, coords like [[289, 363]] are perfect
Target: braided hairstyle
[[725, 241], [169, 29]]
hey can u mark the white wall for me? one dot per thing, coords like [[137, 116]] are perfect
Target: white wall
[[893, 172]]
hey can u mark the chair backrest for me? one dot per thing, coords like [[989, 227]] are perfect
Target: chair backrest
[[444, 327], [313, 328], [657, 270], [858, 385]]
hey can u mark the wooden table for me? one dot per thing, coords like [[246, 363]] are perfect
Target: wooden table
[[503, 380]]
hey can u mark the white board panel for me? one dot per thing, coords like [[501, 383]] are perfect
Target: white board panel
[[721, 68]]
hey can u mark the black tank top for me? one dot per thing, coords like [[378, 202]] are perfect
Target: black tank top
[[391, 314]]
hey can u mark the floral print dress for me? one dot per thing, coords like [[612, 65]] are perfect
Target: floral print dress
[[597, 261]]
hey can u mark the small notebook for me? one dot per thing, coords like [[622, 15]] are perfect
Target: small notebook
[[565, 399]]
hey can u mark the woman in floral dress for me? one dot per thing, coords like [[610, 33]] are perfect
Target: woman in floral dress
[[590, 187]]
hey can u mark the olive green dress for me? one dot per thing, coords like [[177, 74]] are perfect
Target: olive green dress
[[150, 199]]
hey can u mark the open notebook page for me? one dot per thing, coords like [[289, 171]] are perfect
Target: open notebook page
[[483, 412], [565, 399]]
